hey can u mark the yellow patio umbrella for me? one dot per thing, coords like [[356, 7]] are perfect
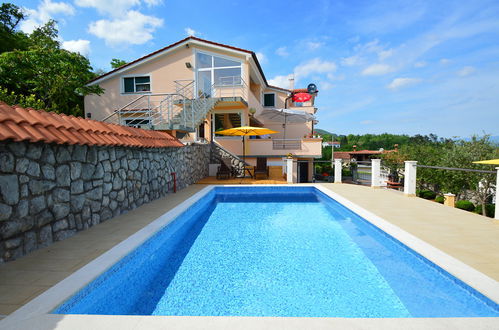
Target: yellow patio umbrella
[[246, 131], [488, 162]]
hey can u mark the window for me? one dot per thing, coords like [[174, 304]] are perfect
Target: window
[[226, 120], [218, 71], [136, 84], [269, 100]]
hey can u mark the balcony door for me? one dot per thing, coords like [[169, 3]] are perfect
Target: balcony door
[[216, 72]]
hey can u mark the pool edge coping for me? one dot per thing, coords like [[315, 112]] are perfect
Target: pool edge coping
[[42, 305]]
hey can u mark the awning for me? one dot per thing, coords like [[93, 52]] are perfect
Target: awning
[[274, 115]]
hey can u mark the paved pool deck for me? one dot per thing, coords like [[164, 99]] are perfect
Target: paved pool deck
[[468, 237]]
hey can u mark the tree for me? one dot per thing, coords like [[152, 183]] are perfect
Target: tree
[[10, 16], [116, 63]]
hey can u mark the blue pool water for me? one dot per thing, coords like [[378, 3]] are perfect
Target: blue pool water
[[276, 251]]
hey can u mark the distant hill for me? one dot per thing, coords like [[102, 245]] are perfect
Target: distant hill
[[322, 131]]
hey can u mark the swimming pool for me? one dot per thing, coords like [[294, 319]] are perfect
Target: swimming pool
[[275, 251]]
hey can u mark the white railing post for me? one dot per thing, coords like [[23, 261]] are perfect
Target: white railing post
[[289, 170], [496, 216], [410, 178], [337, 170], [375, 173]]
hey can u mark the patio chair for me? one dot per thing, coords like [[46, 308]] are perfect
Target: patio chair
[[224, 171], [261, 167]]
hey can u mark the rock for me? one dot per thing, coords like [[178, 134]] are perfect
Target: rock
[[10, 228], [63, 177], [95, 194], [45, 236], [133, 164], [63, 155], [61, 195], [34, 151], [121, 196], [77, 203], [107, 177], [60, 225], [124, 164], [13, 243], [95, 206], [37, 204], [79, 222], [71, 221], [87, 186], [44, 218], [75, 169], [116, 165], [60, 210], [95, 219], [38, 187], [106, 188], [23, 178], [99, 172], [76, 187], [105, 201], [113, 205], [33, 169], [97, 183], [24, 191], [22, 208], [6, 162], [5, 211], [62, 235], [92, 155], [103, 155], [48, 172], [48, 155], [30, 243], [85, 215], [106, 165], [112, 154], [106, 214], [87, 171], [117, 183], [9, 189], [17, 148], [80, 153], [22, 165]]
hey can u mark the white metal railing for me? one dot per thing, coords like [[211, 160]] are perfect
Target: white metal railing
[[286, 144]]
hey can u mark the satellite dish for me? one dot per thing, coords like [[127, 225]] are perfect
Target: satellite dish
[[312, 89]]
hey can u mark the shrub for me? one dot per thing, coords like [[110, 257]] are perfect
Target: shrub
[[440, 199], [465, 205], [346, 172], [490, 209], [427, 194]]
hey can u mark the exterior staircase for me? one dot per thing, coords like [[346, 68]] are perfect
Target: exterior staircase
[[166, 111]]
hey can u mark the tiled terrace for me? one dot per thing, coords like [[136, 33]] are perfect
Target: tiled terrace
[[468, 237]]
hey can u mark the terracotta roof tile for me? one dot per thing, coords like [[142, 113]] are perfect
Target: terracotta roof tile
[[21, 124]]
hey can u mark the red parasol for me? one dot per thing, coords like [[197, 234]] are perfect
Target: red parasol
[[301, 97]]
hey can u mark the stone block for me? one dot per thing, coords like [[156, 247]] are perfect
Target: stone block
[[99, 172], [37, 204], [60, 210], [34, 151], [44, 218], [64, 234], [76, 187], [87, 171], [38, 187], [17, 148], [75, 169], [92, 155], [48, 155], [63, 155], [22, 209], [10, 228], [6, 162], [5, 211], [60, 225], [9, 189], [33, 169], [77, 202], [63, 176], [22, 165], [80, 153], [61, 195], [48, 172], [102, 155], [45, 236], [30, 242]]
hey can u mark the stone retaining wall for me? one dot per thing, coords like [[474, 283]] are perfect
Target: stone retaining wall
[[48, 192]]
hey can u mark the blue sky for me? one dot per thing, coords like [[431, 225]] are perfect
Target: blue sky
[[413, 67]]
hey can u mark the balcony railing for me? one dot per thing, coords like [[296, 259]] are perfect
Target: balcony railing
[[286, 144]]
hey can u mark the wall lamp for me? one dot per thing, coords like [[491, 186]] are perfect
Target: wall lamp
[[188, 65]]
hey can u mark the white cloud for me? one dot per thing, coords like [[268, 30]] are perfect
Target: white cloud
[[190, 32], [384, 54], [466, 71], [403, 82], [282, 51], [325, 85], [45, 11], [261, 57], [281, 81], [377, 70], [313, 66], [367, 122], [352, 60], [444, 61], [311, 45], [78, 46], [134, 28], [152, 3], [421, 64]]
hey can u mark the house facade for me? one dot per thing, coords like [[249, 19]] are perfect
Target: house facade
[[194, 88]]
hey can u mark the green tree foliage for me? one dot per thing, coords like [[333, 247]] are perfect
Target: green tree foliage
[[116, 63], [36, 72]]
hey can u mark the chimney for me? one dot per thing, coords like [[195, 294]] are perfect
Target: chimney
[[291, 81], [396, 147], [354, 147]]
